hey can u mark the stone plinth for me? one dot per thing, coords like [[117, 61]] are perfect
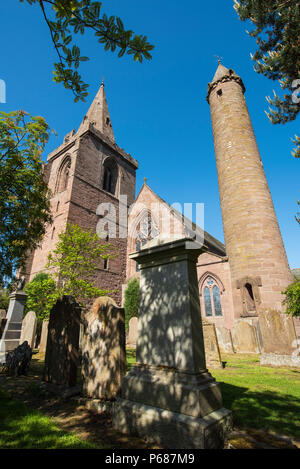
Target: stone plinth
[[12, 331], [103, 350], [29, 329], [61, 359], [169, 396]]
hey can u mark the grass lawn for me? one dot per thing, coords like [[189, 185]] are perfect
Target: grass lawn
[[24, 428], [260, 397]]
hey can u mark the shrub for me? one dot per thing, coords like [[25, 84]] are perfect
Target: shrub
[[292, 299], [132, 300]]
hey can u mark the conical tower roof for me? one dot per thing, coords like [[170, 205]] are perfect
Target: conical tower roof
[[220, 73], [98, 115]]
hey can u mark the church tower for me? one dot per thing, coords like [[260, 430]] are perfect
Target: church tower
[[254, 246], [87, 170]]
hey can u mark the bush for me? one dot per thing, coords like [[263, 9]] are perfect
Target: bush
[[132, 300], [42, 295], [292, 299]]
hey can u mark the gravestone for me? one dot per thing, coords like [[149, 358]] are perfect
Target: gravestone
[[12, 329], [44, 336], [29, 329], [280, 345], [245, 336], [224, 339], [169, 396], [132, 332], [2, 314], [2, 321], [103, 350], [61, 359], [211, 345]]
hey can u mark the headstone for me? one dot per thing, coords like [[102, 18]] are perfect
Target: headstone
[[29, 329], [12, 330], [280, 344], [224, 339], [245, 336], [169, 396], [61, 359], [211, 345], [132, 332], [44, 336], [2, 314], [103, 350]]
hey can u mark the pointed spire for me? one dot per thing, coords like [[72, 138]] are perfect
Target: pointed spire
[[98, 115], [220, 73]]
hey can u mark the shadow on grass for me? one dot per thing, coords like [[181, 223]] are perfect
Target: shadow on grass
[[263, 410], [23, 428]]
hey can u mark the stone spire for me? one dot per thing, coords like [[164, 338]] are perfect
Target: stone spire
[[98, 116]]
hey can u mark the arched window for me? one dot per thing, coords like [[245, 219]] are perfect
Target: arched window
[[63, 175], [110, 176], [212, 298], [146, 229]]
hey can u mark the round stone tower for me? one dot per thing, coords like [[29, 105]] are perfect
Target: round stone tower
[[256, 254]]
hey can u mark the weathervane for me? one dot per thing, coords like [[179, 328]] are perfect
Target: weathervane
[[219, 59]]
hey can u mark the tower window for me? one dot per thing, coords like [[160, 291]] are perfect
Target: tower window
[[105, 264], [249, 302], [107, 121], [63, 175], [219, 92], [110, 176]]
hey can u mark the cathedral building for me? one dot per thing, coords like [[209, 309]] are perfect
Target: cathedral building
[[238, 284]]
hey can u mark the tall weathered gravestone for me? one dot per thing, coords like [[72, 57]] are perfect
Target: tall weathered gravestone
[[169, 396], [61, 359], [211, 345], [29, 329], [12, 329], [103, 350], [44, 336]]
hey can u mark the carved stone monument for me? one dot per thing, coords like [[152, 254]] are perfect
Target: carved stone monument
[[169, 396], [12, 330], [103, 350]]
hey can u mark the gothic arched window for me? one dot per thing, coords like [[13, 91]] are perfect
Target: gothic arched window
[[63, 175], [212, 298], [145, 231], [110, 176]]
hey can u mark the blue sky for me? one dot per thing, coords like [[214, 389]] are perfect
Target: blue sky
[[158, 109]]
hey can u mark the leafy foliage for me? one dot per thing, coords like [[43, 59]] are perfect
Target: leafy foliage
[[74, 262], [292, 299], [42, 295], [69, 17], [24, 199], [132, 300], [277, 33]]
